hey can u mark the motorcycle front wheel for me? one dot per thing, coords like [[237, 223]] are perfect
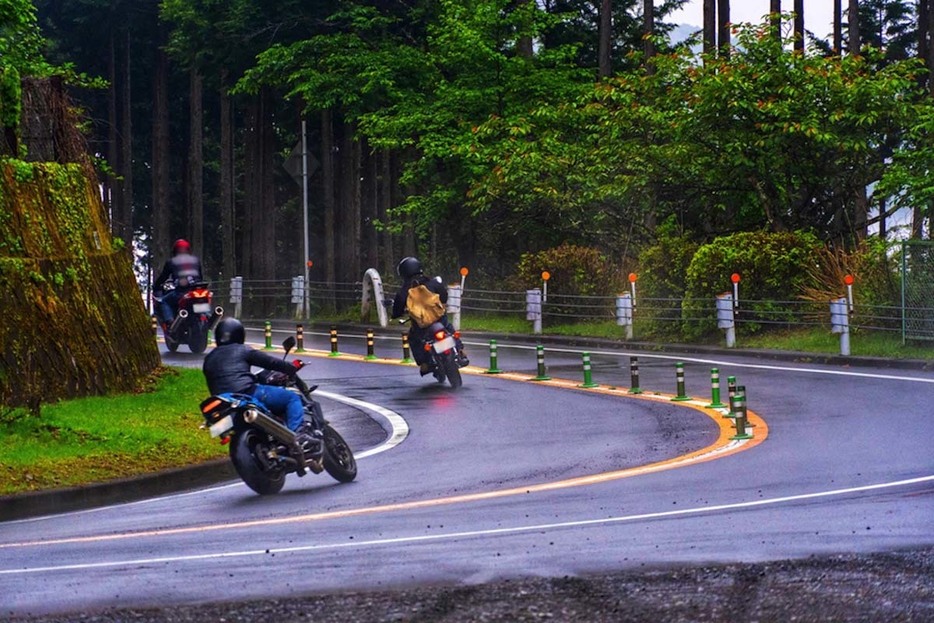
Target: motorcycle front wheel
[[243, 449], [339, 461], [449, 365]]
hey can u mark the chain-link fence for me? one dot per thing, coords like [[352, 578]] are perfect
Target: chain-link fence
[[917, 290]]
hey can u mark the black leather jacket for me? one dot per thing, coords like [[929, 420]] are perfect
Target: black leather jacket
[[227, 368], [183, 270]]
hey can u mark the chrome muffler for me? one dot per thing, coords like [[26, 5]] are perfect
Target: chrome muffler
[[218, 314], [182, 314], [279, 432]]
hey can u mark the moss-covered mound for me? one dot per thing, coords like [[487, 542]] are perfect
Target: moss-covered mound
[[72, 322]]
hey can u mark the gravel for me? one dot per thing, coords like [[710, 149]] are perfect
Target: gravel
[[883, 587]]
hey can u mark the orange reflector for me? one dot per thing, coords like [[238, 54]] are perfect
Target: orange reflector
[[211, 406], [427, 348], [457, 334]]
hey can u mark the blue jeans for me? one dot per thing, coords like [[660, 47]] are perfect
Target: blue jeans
[[168, 305], [282, 402]]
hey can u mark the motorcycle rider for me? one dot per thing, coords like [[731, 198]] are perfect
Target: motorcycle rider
[[410, 270], [183, 270], [227, 370]]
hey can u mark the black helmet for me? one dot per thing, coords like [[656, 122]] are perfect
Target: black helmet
[[229, 331], [409, 267]]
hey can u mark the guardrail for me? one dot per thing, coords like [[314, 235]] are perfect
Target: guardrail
[[672, 318]]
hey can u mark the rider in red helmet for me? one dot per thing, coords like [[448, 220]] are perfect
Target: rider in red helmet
[[182, 271]]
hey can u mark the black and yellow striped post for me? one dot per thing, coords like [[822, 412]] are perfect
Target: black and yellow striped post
[[588, 374], [715, 390], [740, 404], [731, 396], [406, 349], [493, 369], [299, 338], [268, 334], [334, 352], [542, 376], [370, 340], [634, 376], [679, 373]]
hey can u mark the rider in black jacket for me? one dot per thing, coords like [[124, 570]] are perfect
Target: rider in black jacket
[[410, 270], [182, 270], [227, 370]]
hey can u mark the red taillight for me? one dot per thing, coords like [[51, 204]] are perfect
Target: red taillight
[[439, 335], [201, 294], [211, 406], [225, 441]]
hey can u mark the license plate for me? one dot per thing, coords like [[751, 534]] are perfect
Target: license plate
[[201, 308], [221, 426], [444, 345]]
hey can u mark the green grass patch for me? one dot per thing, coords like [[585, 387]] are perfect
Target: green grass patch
[[95, 439], [862, 343]]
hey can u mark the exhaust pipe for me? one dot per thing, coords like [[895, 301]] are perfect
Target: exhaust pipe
[[182, 314], [279, 432], [218, 314]]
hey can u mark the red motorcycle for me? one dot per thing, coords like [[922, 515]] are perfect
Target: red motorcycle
[[194, 319]]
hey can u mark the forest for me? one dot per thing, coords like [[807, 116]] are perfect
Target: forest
[[477, 132]]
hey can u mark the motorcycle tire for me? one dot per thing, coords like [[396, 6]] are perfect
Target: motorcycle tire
[[198, 339], [449, 365], [171, 344], [339, 460], [242, 455]]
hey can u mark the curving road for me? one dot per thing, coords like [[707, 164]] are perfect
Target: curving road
[[514, 478]]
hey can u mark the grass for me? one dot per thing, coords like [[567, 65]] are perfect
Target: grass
[[94, 439]]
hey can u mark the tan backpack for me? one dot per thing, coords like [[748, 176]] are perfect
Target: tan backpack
[[424, 306]]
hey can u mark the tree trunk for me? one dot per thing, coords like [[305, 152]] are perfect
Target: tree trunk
[[604, 62], [114, 189], [710, 26], [648, 15], [327, 183], [838, 27], [524, 44], [723, 27], [356, 201], [775, 18], [852, 16], [370, 208], [385, 205], [228, 235], [126, 150], [196, 162], [161, 214], [267, 198], [799, 26]]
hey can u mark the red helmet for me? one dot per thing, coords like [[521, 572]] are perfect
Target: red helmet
[[181, 246]]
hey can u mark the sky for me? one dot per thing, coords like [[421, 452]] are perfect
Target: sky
[[818, 14]]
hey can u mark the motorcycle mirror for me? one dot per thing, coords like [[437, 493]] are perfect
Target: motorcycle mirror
[[288, 344]]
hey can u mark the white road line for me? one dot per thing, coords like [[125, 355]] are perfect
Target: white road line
[[398, 431], [475, 533]]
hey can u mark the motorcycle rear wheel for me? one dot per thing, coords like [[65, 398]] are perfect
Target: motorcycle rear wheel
[[242, 454], [339, 460], [198, 339], [449, 365]]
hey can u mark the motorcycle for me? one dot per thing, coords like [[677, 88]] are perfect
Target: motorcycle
[[445, 361], [263, 449], [194, 320]]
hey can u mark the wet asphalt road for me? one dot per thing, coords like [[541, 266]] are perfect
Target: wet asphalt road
[[469, 495]]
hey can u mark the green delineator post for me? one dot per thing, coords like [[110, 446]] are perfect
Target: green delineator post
[[731, 395], [370, 345], [679, 368], [740, 403], [588, 375], [715, 390], [634, 376], [542, 376], [406, 349], [268, 333], [334, 352], [493, 369]]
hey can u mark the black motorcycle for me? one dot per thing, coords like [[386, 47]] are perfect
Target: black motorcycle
[[263, 449], [194, 320], [444, 360]]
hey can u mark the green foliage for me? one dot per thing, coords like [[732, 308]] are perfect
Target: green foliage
[[773, 268], [574, 270]]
